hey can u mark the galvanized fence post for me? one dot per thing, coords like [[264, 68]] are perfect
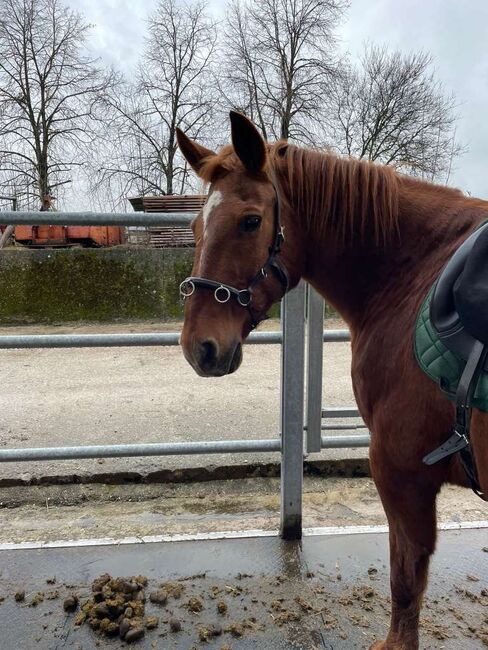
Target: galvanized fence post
[[315, 349], [292, 385]]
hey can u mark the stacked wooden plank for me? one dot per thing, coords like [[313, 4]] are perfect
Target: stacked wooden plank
[[168, 236]]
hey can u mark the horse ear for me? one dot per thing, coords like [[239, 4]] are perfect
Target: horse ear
[[193, 152], [247, 142]]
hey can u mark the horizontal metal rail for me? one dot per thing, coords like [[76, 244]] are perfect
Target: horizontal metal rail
[[340, 412], [98, 218], [9, 341], [336, 336], [149, 449], [110, 340], [345, 442], [167, 449], [345, 427]]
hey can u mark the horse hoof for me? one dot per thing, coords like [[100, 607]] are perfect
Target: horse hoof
[[378, 645]]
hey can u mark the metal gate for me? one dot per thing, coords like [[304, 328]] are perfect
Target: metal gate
[[301, 412]]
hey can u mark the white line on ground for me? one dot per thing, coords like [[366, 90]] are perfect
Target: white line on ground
[[230, 534]]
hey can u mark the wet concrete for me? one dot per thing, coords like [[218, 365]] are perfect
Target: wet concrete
[[328, 592]]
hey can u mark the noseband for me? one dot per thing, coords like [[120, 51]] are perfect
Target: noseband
[[244, 297]]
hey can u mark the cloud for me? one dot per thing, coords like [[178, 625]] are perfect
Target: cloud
[[455, 33], [118, 29]]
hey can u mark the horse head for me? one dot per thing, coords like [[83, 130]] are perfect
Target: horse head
[[242, 264]]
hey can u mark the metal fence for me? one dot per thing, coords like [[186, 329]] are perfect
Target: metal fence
[[301, 338]]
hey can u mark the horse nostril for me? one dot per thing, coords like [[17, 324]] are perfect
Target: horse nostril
[[208, 353]]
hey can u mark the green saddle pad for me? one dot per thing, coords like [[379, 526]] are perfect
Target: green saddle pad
[[439, 363]]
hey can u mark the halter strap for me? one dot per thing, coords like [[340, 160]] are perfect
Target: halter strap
[[224, 292]]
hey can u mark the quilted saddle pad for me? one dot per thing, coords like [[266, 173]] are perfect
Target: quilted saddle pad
[[439, 363]]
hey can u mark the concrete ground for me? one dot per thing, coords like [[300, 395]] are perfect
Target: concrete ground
[[329, 592], [126, 395]]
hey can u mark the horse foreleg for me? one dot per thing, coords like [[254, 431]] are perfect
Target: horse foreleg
[[409, 503]]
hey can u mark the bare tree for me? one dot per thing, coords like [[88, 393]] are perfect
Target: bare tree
[[173, 88], [392, 110], [280, 60], [49, 90], [133, 156]]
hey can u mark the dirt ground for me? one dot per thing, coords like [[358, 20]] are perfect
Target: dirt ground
[[94, 511], [124, 395], [56, 397]]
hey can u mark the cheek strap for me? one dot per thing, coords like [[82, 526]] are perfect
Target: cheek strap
[[244, 297]]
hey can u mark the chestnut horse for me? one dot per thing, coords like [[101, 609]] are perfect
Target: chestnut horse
[[372, 242]]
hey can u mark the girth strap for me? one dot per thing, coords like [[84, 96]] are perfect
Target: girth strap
[[460, 439]]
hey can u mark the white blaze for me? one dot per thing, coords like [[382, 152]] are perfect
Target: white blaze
[[212, 202]]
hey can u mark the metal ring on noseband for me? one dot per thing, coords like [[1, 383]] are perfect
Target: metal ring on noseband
[[226, 294], [187, 288]]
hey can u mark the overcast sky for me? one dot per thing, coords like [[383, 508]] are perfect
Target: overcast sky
[[455, 32]]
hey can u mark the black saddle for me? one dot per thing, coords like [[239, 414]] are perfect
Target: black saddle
[[459, 315], [459, 305]]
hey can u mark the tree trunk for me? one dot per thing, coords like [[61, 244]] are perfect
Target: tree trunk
[[43, 179], [6, 235]]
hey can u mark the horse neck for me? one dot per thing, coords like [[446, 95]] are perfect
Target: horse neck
[[360, 276]]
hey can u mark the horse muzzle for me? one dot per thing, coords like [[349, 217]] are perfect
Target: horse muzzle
[[209, 359]]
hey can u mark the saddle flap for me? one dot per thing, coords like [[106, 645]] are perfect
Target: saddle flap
[[456, 311], [471, 290]]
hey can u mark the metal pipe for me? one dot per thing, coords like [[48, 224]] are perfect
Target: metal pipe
[[148, 449], [291, 412], [345, 442], [11, 341], [340, 412], [181, 219], [336, 336], [338, 427], [167, 449], [87, 340], [112, 340], [315, 349]]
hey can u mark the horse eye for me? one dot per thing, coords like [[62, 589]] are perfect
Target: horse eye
[[250, 223]]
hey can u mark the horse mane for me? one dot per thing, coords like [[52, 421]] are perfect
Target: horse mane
[[343, 198]]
